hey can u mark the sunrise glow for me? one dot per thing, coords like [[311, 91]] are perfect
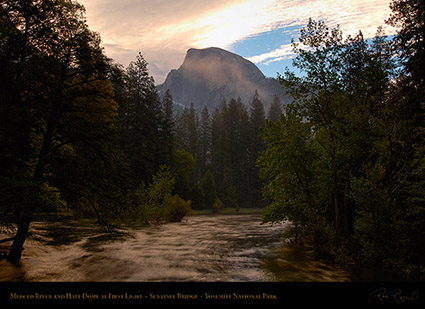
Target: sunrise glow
[[163, 31]]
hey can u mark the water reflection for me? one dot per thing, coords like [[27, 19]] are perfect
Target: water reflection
[[200, 248]]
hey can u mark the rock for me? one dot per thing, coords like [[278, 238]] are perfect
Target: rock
[[207, 76]]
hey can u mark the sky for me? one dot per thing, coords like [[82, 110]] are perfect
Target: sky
[[258, 30]]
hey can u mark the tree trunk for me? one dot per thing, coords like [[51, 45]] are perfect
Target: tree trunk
[[347, 228], [335, 194], [337, 226], [19, 239], [27, 207]]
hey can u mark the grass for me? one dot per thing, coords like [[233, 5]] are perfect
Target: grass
[[226, 211]]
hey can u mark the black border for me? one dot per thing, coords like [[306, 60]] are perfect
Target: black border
[[270, 294]]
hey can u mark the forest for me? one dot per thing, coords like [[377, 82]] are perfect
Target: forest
[[223, 148], [344, 162], [82, 134]]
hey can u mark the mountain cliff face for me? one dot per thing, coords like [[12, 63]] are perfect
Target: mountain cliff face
[[207, 76]]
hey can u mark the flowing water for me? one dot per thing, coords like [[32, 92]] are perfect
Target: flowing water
[[200, 248]]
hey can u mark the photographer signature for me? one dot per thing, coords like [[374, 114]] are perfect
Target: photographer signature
[[384, 295]]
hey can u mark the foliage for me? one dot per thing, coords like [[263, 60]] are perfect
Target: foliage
[[146, 134], [226, 142], [183, 164], [176, 208], [217, 205], [154, 202], [58, 116], [207, 185], [168, 127], [340, 163], [196, 196], [76, 131], [275, 109]]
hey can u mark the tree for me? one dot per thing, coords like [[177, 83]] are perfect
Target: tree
[[205, 140], [275, 109], [257, 120], [237, 125], [168, 126], [187, 131], [330, 138], [193, 136], [188, 138], [207, 186], [408, 18], [408, 142], [219, 144], [229, 152], [57, 93], [154, 202], [182, 169], [320, 93], [196, 196], [142, 118], [297, 188]]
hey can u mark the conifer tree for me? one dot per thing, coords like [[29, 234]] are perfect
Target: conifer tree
[[275, 109], [257, 121], [142, 121], [218, 142], [208, 188], [168, 126], [204, 140]]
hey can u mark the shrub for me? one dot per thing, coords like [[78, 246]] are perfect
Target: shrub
[[175, 208], [217, 205]]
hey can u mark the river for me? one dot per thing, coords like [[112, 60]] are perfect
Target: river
[[235, 248]]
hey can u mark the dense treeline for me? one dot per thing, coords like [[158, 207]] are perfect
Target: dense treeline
[[81, 133], [225, 146], [78, 132], [345, 162]]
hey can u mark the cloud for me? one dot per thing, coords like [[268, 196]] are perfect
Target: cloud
[[281, 53], [352, 16], [163, 30]]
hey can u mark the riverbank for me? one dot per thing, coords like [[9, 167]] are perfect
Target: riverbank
[[224, 246], [226, 211], [200, 248]]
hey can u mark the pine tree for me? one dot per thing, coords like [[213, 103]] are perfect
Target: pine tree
[[142, 121], [219, 145], [257, 121], [181, 129], [182, 168], [192, 132], [275, 109], [168, 126], [237, 131], [205, 141], [208, 188]]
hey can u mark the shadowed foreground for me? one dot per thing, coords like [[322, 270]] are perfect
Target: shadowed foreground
[[200, 248]]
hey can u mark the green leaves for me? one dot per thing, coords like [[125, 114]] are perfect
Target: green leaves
[[207, 185], [141, 117], [319, 151], [154, 202], [289, 163], [340, 164]]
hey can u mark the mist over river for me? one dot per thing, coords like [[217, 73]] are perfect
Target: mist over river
[[200, 248]]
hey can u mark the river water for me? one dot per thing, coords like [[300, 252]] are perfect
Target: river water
[[200, 248]]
